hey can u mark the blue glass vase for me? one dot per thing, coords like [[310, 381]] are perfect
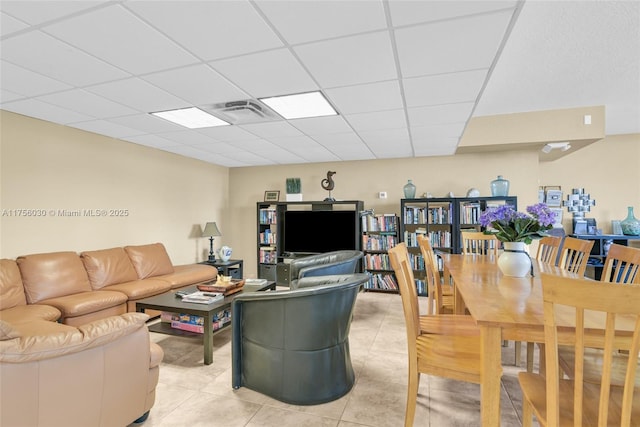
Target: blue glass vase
[[409, 190], [630, 225], [500, 187]]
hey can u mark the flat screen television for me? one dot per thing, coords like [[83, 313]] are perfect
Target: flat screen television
[[311, 232]]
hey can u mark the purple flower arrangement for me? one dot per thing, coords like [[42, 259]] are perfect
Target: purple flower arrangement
[[509, 225]]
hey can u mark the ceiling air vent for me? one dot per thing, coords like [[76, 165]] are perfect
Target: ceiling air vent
[[242, 112]]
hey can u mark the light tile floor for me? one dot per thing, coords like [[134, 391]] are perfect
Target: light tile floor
[[192, 394]]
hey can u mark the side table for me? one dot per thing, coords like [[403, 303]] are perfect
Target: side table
[[232, 268]]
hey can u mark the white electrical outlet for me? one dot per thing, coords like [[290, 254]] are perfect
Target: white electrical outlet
[[382, 195], [587, 119]]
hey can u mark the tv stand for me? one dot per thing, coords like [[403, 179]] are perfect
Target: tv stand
[[273, 261]]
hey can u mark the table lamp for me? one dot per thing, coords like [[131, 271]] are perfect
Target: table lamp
[[211, 230]]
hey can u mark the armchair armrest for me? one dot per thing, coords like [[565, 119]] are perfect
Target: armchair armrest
[[330, 263]]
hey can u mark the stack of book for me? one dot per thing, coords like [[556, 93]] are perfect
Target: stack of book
[[203, 297]]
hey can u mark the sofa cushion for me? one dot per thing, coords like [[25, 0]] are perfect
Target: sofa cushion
[[41, 340], [149, 260], [138, 289], [29, 312], [11, 289], [52, 275], [86, 302], [108, 267], [7, 331], [184, 275]]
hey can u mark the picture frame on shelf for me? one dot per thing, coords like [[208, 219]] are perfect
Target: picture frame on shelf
[[272, 196]]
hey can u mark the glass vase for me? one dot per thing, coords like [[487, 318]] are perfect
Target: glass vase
[[409, 190], [500, 187], [630, 225]]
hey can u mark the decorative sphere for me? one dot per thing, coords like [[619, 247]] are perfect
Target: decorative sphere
[[473, 192]]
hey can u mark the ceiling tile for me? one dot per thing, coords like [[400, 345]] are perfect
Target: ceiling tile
[[115, 35], [315, 154], [385, 151], [104, 127], [449, 46], [305, 21], [44, 111], [38, 12], [444, 88], [438, 114], [185, 150], [353, 153], [254, 145], [321, 125], [147, 123], [197, 84], [217, 148], [9, 24], [276, 72], [366, 98], [386, 136], [441, 146], [421, 133], [272, 130], [364, 58], [227, 133], [8, 96], [139, 94], [295, 143], [154, 141], [350, 139], [188, 137], [27, 83], [391, 119], [88, 103], [412, 12], [280, 156], [37, 52], [249, 158], [215, 29]]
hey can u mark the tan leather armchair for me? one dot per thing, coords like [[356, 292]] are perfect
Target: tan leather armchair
[[103, 373]]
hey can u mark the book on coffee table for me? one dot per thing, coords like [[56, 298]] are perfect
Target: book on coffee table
[[203, 297]]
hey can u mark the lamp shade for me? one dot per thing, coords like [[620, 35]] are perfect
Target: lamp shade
[[211, 230]]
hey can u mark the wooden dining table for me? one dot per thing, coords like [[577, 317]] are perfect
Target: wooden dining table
[[510, 308]]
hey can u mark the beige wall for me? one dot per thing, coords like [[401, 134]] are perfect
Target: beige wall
[[48, 166], [56, 168]]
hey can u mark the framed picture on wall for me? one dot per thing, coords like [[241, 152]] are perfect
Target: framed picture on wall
[[271, 196]]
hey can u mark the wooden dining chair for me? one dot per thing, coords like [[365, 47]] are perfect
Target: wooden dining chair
[[548, 248], [441, 299], [476, 242], [444, 352], [547, 253], [575, 254], [622, 266], [556, 401]]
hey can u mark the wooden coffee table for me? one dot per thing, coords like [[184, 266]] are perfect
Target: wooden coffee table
[[169, 302]]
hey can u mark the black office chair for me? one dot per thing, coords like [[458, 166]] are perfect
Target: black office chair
[[294, 345]]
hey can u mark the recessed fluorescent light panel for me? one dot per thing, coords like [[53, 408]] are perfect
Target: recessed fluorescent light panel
[[192, 118], [310, 104]]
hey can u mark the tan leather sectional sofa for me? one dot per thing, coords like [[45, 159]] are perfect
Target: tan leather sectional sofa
[[72, 350]]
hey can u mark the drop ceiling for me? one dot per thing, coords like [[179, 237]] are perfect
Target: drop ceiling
[[405, 76]]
